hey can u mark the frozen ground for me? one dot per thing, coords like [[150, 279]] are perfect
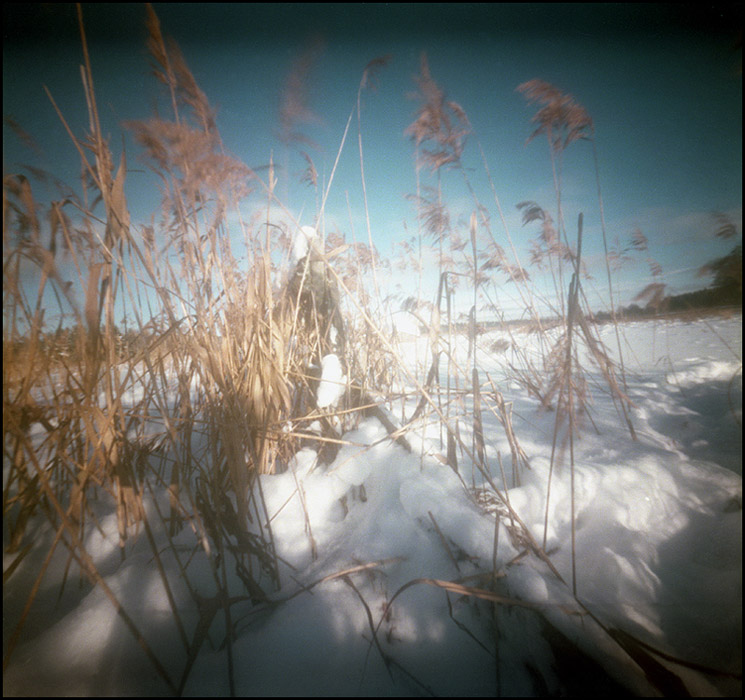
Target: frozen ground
[[658, 557]]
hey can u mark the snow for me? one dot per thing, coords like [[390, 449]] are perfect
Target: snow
[[302, 242], [658, 542], [333, 382]]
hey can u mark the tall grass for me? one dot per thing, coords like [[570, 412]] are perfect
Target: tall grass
[[219, 385]]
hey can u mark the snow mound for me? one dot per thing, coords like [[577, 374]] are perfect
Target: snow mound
[[333, 382], [701, 372], [302, 242], [655, 525]]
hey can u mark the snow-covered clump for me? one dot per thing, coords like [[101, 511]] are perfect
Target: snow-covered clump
[[333, 382], [302, 243]]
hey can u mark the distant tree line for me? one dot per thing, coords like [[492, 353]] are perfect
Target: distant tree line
[[725, 290]]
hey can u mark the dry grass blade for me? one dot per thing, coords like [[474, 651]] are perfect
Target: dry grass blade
[[8, 572], [439, 121], [453, 587], [561, 118]]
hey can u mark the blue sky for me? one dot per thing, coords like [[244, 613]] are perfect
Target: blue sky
[[663, 85]]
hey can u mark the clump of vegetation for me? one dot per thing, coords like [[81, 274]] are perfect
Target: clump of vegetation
[[214, 380]]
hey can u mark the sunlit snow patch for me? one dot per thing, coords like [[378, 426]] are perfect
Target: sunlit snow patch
[[303, 240], [333, 382], [700, 372]]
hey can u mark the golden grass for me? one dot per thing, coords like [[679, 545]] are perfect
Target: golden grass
[[224, 361]]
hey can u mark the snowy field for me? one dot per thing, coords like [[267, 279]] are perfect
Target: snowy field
[[658, 540]]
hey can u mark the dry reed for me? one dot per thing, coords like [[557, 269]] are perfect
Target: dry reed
[[225, 362]]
